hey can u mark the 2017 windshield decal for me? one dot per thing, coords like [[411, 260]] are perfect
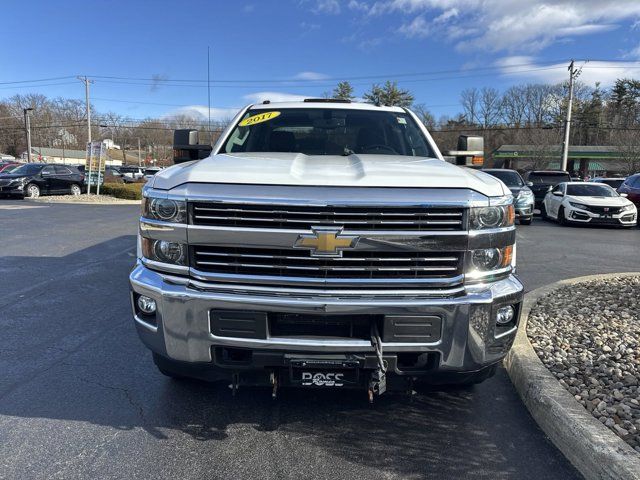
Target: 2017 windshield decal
[[261, 117]]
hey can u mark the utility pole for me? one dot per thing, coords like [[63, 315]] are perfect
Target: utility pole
[[86, 82], [209, 93], [573, 74], [139, 157], [27, 129]]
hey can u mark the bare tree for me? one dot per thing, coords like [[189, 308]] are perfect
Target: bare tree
[[628, 145], [469, 98], [489, 107]]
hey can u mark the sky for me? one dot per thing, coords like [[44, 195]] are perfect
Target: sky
[[292, 49]]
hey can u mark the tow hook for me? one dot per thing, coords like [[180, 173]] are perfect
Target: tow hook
[[273, 377], [235, 383], [378, 379]]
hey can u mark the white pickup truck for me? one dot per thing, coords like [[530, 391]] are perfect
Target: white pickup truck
[[326, 244]]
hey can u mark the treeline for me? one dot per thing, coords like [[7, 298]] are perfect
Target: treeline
[[62, 123], [531, 114]]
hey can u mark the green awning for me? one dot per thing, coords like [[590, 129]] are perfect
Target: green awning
[[591, 167]]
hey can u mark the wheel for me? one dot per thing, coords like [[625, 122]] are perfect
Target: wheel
[[32, 191], [526, 221], [543, 212], [459, 379], [75, 189], [164, 366], [562, 220]]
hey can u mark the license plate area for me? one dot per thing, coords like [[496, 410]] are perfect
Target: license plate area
[[324, 372]]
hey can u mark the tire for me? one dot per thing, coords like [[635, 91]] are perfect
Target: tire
[[75, 189], [562, 220], [526, 221], [457, 380], [543, 212], [32, 191], [164, 367]]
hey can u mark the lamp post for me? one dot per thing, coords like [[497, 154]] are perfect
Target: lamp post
[[27, 129]]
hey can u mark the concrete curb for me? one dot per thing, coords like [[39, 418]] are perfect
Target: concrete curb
[[590, 446]]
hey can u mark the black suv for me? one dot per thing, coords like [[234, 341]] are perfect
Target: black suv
[[35, 179], [542, 180]]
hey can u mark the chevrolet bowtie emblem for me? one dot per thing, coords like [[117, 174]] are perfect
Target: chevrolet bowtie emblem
[[326, 241]]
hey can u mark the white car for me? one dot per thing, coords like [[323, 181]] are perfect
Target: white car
[[592, 203]]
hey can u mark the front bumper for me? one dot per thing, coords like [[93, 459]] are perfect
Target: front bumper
[[181, 329], [12, 189], [627, 218], [524, 209]]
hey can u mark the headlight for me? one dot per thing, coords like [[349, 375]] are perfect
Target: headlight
[[487, 260], [525, 194], [626, 208], [581, 206], [164, 251], [491, 217], [164, 209]]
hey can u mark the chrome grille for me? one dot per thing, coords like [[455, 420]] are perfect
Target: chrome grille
[[354, 264], [303, 217]]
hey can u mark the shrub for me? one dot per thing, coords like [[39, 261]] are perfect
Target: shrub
[[129, 191]]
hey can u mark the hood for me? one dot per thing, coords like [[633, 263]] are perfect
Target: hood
[[328, 170], [11, 176], [599, 201]]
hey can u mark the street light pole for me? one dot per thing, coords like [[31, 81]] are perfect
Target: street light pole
[[27, 129], [86, 82]]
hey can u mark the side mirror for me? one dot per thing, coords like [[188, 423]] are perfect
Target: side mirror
[[529, 184], [625, 195], [45, 174], [470, 152], [186, 146], [557, 194]]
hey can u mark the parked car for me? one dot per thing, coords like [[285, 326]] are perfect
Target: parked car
[[35, 179], [590, 203], [522, 194], [131, 174], [6, 167], [631, 188], [150, 172], [543, 180], [614, 183]]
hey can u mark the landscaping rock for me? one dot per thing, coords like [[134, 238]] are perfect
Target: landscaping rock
[[588, 336]]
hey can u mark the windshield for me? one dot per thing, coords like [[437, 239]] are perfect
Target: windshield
[[612, 182], [11, 168], [27, 170], [550, 178], [591, 191], [326, 131], [509, 177]]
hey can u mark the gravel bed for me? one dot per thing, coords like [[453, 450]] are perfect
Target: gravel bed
[[588, 336], [82, 199]]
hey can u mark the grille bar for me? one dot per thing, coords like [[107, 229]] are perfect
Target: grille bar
[[356, 265], [306, 217]]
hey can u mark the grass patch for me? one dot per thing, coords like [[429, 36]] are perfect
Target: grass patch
[[128, 191]]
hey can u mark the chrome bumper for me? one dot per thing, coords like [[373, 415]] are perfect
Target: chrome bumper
[[469, 341]]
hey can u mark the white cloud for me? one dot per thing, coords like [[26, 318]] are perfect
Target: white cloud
[[524, 67], [258, 97], [508, 25], [326, 6], [202, 112], [310, 76], [417, 28]]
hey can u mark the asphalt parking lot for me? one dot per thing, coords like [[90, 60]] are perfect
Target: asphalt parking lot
[[80, 397]]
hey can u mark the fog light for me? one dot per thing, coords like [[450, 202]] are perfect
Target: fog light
[[146, 305], [505, 315]]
